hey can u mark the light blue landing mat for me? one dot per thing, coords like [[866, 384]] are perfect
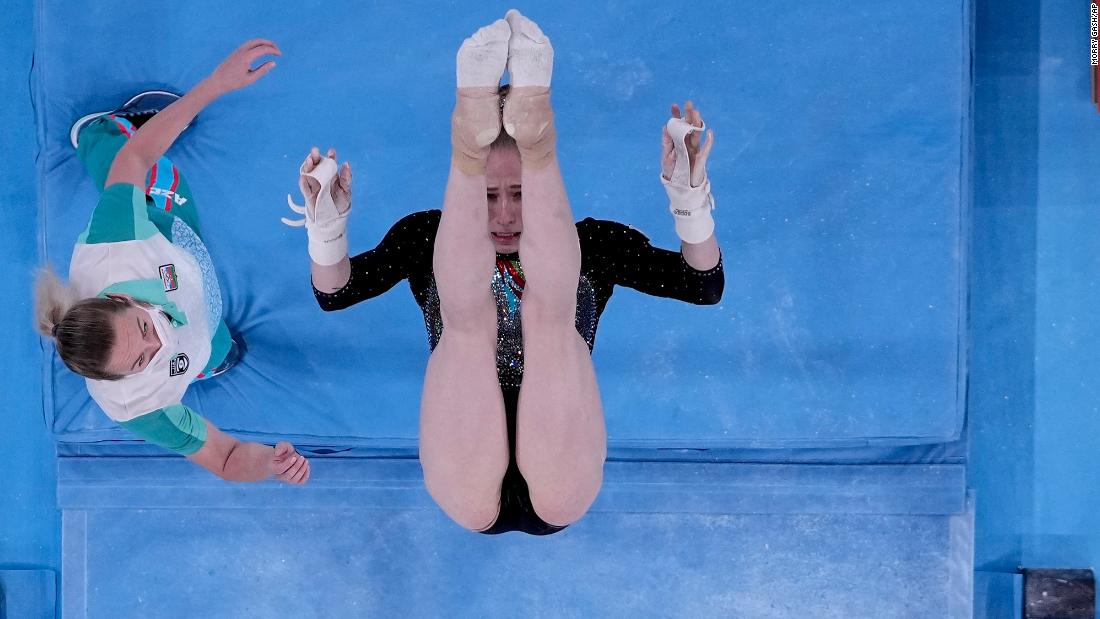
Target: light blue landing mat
[[840, 174], [158, 538]]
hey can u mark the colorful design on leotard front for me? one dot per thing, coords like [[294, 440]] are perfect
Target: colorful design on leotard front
[[512, 280], [507, 286]]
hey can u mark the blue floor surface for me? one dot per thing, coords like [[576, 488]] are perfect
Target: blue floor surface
[[30, 544], [1034, 418], [836, 362], [28, 593]]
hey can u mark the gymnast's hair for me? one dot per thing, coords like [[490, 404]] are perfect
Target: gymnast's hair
[[82, 330]]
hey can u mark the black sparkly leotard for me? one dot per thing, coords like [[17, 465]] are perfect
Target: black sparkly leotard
[[611, 254]]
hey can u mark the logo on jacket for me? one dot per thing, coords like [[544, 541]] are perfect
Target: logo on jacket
[[178, 365], [168, 277], [167, 194]]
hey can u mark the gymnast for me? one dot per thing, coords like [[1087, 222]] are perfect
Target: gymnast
[[141, 318], [496, 456]]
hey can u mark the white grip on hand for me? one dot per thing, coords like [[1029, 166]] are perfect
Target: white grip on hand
[[325, 225], [690, 206]]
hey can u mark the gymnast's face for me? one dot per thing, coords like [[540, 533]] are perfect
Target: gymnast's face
[[502, 183], [136, 340]]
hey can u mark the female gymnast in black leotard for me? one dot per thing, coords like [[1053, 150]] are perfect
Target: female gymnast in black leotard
[[512, 431]]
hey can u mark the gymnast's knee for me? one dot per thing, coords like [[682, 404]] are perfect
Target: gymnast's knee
[[470, 514], [475, 519], [564, 508]]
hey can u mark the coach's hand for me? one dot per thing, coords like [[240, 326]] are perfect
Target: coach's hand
[[236, 70], [289, 466]]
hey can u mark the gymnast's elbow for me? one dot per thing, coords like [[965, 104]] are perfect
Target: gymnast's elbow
[[331, 302], [330, 305], [711, 294], [711, 297]]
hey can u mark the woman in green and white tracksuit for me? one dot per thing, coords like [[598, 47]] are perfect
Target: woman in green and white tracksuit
[[141, 318]]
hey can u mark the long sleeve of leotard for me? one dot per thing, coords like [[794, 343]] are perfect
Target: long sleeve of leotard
[[622, 255], [403, 251]]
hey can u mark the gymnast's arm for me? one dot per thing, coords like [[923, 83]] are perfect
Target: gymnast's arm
[[149, 144], [702, 256], [625, 257], [406, 247], [328, 239], [340, 281]]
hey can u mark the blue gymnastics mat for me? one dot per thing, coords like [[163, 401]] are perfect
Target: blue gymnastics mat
[[840, 174]]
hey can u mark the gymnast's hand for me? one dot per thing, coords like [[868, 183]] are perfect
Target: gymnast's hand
[[288, 465], [327, 190], [236, 70], [341, 189], [697, 155], [689, 198]]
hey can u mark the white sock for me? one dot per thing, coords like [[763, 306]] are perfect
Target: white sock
[[530, 55], [483, 56]]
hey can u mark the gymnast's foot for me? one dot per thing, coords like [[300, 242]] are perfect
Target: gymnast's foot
[[479, 65], [527, 114], [530, 55], [483, 56]]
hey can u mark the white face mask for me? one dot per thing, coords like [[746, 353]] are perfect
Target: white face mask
[[163, 328]]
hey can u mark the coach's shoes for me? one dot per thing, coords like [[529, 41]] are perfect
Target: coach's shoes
[[137, 111], [237, 350]]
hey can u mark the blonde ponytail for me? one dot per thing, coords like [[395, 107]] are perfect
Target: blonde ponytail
[[52, 299], [81, 329]]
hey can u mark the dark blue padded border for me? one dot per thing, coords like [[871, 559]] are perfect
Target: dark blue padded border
[[636, 487], [937, 453]]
